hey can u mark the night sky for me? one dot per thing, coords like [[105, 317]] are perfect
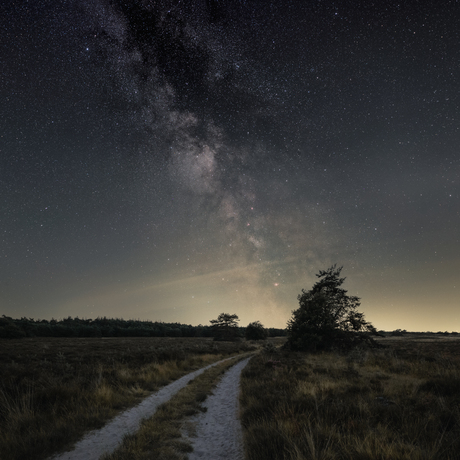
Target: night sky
[[173, 160]]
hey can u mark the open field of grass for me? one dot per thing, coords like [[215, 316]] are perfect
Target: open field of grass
[[400, 402], [52, 390]]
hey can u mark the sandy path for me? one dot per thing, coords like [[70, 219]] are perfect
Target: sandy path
[[218, 430], [99, 442]]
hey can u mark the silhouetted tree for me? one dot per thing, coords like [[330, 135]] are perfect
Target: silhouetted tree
[[225, 327], [255, 331], [99, 327], [9, 330], [328, 317]]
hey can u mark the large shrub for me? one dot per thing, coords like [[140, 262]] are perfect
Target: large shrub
[[256, 331]]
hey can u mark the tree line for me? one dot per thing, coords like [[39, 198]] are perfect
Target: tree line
[[11, 328]]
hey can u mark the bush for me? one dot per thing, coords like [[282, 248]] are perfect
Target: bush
[[255, 331]]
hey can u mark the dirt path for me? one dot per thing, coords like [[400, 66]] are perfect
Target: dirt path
[[105, 440], [217, 433]]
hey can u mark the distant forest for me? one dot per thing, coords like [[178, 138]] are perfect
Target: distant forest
[[106, 327]]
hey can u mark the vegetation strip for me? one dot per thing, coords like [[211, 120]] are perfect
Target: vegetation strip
[[16, 328], [161, 435], [399, 403]]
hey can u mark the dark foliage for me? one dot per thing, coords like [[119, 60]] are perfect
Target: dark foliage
[[255, 331], [100, 327], [11, 328], [225, 327], [328, 318], [276, 332]]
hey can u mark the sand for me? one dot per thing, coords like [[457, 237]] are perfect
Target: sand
[[217, 434], [103, 441]]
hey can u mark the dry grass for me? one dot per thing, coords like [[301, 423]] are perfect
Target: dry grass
[[399, 403], [160, 437], [54, 390]]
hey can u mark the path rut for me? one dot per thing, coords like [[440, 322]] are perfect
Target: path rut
[[218, 433], [98, 442]]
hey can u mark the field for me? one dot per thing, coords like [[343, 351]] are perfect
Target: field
[[399, 402], [52, 390]]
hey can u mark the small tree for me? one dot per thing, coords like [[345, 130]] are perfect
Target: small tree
[[256, 331], [328, 318], [225, 327]]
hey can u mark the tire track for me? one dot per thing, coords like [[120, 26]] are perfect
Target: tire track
[[105, 440], [217, 432]]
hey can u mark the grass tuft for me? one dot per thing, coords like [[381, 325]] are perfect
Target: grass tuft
[[384, 404]]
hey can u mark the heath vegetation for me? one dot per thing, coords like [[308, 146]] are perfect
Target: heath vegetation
[[53, 390], [397, 402]]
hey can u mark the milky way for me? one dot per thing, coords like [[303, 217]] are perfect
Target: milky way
[[171, 160]]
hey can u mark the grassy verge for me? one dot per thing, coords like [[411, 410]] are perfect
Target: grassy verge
[[368, 405], [160, 436], [54, 390]]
